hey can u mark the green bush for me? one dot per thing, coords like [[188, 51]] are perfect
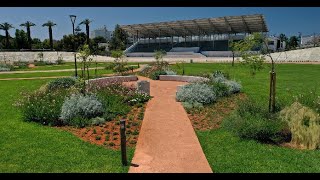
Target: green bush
[[222, 86], [60, 60], [61, 83], [113, 104], [43, 107], [6, 67], [155, 75], [97, 121], [253, 121], [80, 106], [196, 92], [138, 98], [21, 64], [189, 106]]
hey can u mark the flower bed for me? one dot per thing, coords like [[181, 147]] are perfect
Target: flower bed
[[63, 103]]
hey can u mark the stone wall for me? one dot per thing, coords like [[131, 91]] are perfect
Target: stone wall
[[51, 56]]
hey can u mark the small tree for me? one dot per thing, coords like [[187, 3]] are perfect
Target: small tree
[[120, 63], [250, 58], [234, 47], [84, 57], [119, 39], [160, 63]]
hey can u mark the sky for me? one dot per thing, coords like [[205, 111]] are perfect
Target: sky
[[286, 20]]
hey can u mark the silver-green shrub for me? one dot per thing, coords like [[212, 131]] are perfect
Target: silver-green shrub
[[97, 121], [170, 72], [80, 106], [218, 78], [304, 124], [234, 87], [196, 92]]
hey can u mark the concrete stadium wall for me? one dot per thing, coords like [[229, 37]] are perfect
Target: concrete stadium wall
[[300, 55], [217, 53], [182, 78], [47, 56], [140, 54]]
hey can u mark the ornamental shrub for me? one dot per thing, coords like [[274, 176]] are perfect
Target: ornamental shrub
[[196, 92], [155, 75], [43, 107], [6, 67], [304, 125], [170, 72], [253, 121], [80, 106], [61, 83], [222, 86]]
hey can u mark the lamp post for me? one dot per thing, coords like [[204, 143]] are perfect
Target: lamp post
[[73, 20]]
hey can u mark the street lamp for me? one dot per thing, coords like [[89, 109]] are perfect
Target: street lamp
[[73, 20]]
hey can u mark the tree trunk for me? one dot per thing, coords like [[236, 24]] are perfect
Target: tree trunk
[[88, 31], [50, 38], [7, 39], [29, 38], [232, 58], [272, 94], [88, 72]]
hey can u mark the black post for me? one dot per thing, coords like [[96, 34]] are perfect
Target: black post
[[123, 142], [73, 20]]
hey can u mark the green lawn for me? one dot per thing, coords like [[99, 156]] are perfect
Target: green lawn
[[68, 65], [50, 74], [30, 147], [227, 153]]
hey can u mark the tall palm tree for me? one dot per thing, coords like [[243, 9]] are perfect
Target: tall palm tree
[[6, 27], [28, 24], [50, 24], [87, 22]]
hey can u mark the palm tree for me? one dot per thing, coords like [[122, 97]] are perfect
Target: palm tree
[[28, 24], [6, 27], [49, 24], [87, 22]]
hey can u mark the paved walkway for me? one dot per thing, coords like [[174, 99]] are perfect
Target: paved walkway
[[167, 142]]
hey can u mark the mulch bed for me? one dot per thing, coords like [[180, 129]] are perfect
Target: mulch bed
[[108, 134], [211, 116]]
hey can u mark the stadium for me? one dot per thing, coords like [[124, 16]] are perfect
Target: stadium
[[207, 37]]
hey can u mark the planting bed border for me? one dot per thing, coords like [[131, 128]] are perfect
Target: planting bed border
[[182, 78], [114, 79]]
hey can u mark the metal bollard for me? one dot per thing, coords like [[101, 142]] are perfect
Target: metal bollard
[[123, 142]]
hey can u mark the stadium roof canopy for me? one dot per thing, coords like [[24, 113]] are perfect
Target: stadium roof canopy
[[205, 26]]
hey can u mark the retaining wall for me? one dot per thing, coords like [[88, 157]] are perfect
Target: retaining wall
[[112, 79]]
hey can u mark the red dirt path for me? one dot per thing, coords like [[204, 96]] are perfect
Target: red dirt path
[[167, 142]]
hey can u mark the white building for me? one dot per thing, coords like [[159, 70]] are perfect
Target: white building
[[103, 32], [275, 44]]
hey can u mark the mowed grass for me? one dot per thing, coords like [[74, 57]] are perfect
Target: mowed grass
[[30, 147], [69, 65], [226, 153], [229, 154], [292, 79], [51, 74]]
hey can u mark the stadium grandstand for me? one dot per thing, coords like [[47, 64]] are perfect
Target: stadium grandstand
[[207, 37]]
